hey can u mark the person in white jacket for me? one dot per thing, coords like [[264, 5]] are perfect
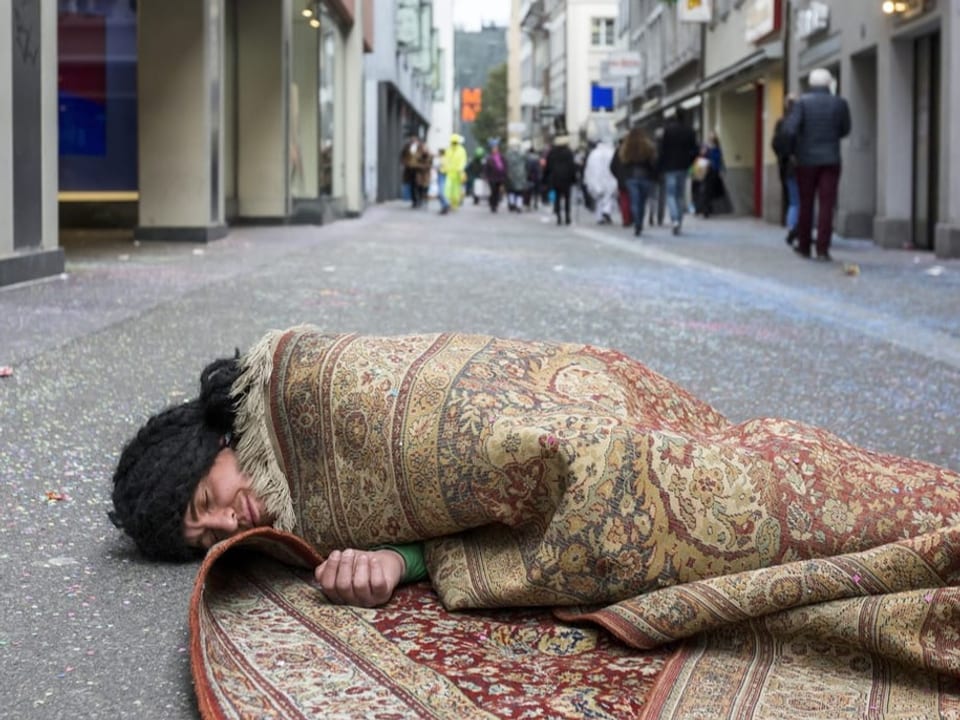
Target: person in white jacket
[[600, 181]]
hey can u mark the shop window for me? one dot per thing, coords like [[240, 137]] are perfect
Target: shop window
[[311, 112], [304, 115], [97, 95], [328, 49]]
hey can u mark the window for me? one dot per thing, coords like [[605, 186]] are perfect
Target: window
[[601, 31], [96, 96]]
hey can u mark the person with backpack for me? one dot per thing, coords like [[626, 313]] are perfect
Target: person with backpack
[[678, 149], [560, 176]]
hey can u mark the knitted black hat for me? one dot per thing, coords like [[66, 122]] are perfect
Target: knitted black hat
[[158, 471], [160, 468]]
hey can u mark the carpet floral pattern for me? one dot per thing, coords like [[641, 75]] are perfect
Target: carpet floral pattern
[[268, 645], [574, 478]]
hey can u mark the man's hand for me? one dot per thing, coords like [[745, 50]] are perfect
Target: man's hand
[[360, 578]]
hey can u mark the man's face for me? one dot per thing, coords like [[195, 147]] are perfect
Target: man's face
[[222, 505]]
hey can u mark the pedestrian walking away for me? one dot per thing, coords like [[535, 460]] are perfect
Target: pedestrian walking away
[[424, 170], [581, 157], [676, 153], [638, 160], [442, 181], [534, 190], [475, 174], [516, 176], [713, 189], [410, 159], [600, 181], [623, 195], [656, 201], [560, 174], [495, 171], [782, 146], [816, 124]]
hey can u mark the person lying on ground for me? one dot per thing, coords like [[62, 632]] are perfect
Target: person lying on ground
[[509, 473]]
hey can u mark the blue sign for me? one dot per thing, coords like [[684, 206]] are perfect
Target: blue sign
[[601, 97]]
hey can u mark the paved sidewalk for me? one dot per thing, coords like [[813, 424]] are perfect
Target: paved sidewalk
[[90, 630]]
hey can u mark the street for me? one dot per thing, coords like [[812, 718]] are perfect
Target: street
[[867, 346]]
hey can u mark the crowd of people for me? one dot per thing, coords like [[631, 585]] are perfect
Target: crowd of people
[[636, 173], [646, 175]]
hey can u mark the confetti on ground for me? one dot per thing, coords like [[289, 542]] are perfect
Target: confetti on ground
[[6, 371], [52, 496]]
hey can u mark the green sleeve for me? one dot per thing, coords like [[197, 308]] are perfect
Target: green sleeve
[[412, 554]]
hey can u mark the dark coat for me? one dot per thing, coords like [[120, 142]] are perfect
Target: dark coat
[[678, 147], [493, 172], [782, 145], [816, 124], [561, 170]]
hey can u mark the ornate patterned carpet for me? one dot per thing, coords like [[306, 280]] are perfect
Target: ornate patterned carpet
[[264, 643], [792, 573]]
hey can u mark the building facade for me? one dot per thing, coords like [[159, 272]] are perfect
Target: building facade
[[402, 79], [900, 73], [670, 63], [563, 47], [175, 118], [476, 53], [730, 63], [444, 100], [743, 90]]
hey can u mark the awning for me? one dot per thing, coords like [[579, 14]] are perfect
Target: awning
[[657, 105], [766, 53]]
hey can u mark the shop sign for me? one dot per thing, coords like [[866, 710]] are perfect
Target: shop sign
[[812, 19], [622, 64], [613, 78], [471, 103], [695, 10], [408, 23], [762, 19]]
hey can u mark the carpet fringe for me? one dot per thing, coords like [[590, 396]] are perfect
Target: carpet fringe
[[255, 454]]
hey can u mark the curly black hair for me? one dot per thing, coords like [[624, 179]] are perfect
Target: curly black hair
[[160, 467]]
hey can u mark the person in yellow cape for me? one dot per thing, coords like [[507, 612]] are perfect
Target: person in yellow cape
[[456, 167]]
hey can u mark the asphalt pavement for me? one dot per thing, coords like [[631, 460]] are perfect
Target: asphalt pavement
[[867, 346]]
